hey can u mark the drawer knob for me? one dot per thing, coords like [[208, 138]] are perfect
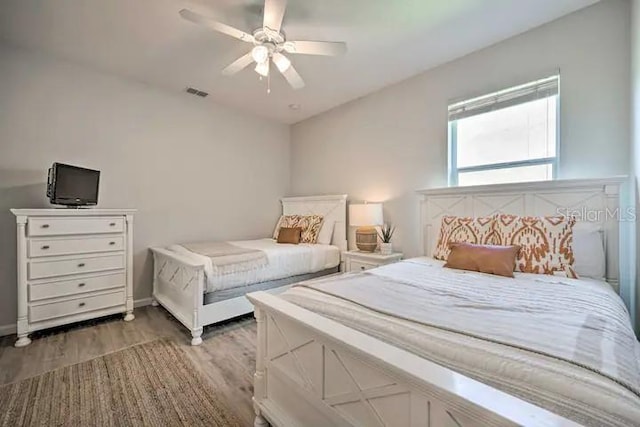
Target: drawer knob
[[362, 267], [112, 243], [80, 285], [112, 224], [82, 304], [45, 226], [81, 264], [45, 247]]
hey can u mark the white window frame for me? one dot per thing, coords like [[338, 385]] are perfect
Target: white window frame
[[453, 168]]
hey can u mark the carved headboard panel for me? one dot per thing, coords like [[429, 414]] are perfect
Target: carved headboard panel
[[333, 208], [593, 200]]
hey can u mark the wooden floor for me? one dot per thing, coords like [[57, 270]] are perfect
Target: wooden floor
[[226, 357]]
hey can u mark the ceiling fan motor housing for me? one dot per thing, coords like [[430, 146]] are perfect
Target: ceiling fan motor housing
[[267, 35]]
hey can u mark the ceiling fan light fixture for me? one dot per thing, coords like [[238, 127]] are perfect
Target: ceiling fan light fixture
[[260, 54], [263, 68], [268, 43], [282, 62]]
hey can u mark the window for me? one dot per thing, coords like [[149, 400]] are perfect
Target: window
[[507, 136]]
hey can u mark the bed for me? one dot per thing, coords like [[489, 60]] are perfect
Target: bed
[[361, 350], [186, 284]]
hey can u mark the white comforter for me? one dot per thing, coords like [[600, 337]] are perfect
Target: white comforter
[[285, 260], [578, 357]]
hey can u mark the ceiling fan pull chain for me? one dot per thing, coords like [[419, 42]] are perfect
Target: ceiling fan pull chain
[[269, 83]]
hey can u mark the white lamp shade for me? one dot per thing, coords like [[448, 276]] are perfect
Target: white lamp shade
[[263, 68], [365, 215], [260, 54]]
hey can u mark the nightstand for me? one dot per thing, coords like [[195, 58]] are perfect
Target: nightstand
[[361, 261]]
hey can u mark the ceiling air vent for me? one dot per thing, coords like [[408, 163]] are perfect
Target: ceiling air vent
[[194, 91]]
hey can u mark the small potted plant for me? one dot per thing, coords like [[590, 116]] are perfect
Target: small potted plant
[[385, 234]]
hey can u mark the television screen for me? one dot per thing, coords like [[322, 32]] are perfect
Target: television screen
[[73, 185]]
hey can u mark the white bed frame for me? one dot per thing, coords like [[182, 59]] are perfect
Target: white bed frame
[[313, 371], [179, 283]]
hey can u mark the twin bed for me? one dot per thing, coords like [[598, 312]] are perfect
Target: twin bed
[[198, 293], [416, 344]]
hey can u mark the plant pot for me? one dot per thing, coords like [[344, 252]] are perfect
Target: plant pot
[[386, 248]]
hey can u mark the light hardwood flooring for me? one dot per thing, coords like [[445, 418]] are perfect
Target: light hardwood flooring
[[226, 357]]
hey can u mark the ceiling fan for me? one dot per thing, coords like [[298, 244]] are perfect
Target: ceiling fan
[[269, 44]]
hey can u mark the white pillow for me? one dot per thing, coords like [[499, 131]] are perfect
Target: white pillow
[[588, 250], [277, 229], [326, 232]]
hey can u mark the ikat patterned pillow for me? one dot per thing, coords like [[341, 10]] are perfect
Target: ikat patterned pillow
[[546, 242], [455, 229]]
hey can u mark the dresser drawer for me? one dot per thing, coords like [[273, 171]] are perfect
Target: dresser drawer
[[39, 269], [79, 285], [41, 312], [53, 226], [361, 266], [71, 246]]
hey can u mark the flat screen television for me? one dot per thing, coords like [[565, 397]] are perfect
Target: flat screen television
[[72, 185]]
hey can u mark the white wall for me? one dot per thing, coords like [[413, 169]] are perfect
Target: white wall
[[390, 143], [386, 145], [635, 138], [188, 165]]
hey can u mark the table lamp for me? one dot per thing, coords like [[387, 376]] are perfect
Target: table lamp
[[366, 217]]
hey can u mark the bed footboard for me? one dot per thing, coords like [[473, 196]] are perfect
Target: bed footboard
[[311, 370], [178, 285]]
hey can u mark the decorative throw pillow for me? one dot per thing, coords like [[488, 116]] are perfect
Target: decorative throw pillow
[[491, 259], [277, 229], [455, 229], [326, 232], [546, 242], [310, 225], [289, 235], [588, 250]]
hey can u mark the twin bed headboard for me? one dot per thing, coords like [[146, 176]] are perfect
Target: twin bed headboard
[[332, 208], [593, 200]]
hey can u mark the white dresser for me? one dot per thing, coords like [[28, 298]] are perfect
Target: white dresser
[[73, 265]]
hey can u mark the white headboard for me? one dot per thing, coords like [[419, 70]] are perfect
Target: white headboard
[[332, 208], [593, 200]]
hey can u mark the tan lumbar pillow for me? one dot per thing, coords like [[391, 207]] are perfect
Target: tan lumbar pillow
[[289, 235], [491, 259]]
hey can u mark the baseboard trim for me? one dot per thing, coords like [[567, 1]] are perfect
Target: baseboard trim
[[142, 302], [7, 329], [10, 329]]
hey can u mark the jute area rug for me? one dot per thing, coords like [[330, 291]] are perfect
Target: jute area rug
[[151, 384]]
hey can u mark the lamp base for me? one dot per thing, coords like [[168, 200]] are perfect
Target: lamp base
[[367, 239]]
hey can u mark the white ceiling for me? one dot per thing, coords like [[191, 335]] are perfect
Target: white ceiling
[[388, 41]]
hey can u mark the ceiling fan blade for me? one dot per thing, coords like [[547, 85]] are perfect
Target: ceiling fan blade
[[274, 13], [293, 77], [316, 48], [238, 65], [216, 26], [281, 61]]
